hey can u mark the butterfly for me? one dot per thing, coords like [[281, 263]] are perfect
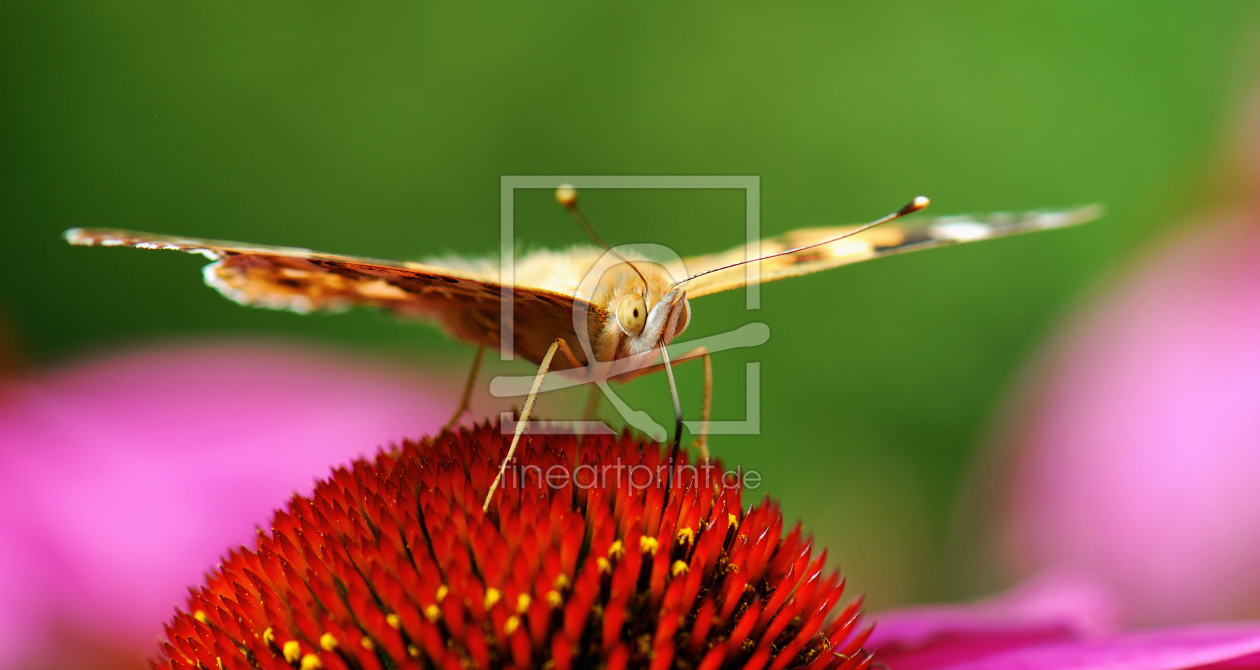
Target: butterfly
[[607, 311]]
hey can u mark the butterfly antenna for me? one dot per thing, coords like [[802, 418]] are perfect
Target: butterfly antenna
[[920, 202], [566, 195]]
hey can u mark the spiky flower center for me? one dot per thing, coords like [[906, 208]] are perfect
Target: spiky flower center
[[591, 556]]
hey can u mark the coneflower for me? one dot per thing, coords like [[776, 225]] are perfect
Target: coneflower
[[586, 559]]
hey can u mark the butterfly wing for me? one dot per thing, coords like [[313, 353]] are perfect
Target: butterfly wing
[[464, 303], [885, 240]]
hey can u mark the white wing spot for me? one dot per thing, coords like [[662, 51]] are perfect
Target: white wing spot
[[962, 231]]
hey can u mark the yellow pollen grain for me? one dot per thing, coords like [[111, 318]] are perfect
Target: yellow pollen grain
[[269, 636], [392, 620], [554, 599], [200, 615], [219, 662], [562, 582], [433, 613], [686, 534], [311, 662], [648, 545], [366, 643], [734, 520], [492, 596], [512, 624], [604, 565], [412, 651], [441, 592], [327, 641], [292, 651], [523, 602], [678, 568], [616, 550]]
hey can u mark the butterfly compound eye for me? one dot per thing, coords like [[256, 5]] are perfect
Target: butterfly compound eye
[[632, 314]]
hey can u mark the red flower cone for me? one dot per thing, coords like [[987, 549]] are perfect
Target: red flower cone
[[587, 558]]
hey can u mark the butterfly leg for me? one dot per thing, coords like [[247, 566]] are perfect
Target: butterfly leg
[[702, 443], [468, 387], [529, 407]]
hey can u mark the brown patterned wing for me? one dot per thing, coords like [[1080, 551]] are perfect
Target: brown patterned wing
[[885, 240], [466, 305]]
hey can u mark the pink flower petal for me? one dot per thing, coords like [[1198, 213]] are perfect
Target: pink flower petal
[[1047, 609], [1202, 646], [1055, 622], [1138, 464], [124, 477]]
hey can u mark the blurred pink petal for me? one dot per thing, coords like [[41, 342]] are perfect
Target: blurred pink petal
[[1052, 623], [1140, 461], [124, 477], [1189, 647], [1052, 606]]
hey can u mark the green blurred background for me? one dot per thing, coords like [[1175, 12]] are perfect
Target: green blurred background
[[382, 129]]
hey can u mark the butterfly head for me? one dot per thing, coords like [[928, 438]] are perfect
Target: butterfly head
[[640, 317]]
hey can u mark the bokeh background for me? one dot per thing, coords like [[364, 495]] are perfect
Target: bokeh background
[[383, 130]]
